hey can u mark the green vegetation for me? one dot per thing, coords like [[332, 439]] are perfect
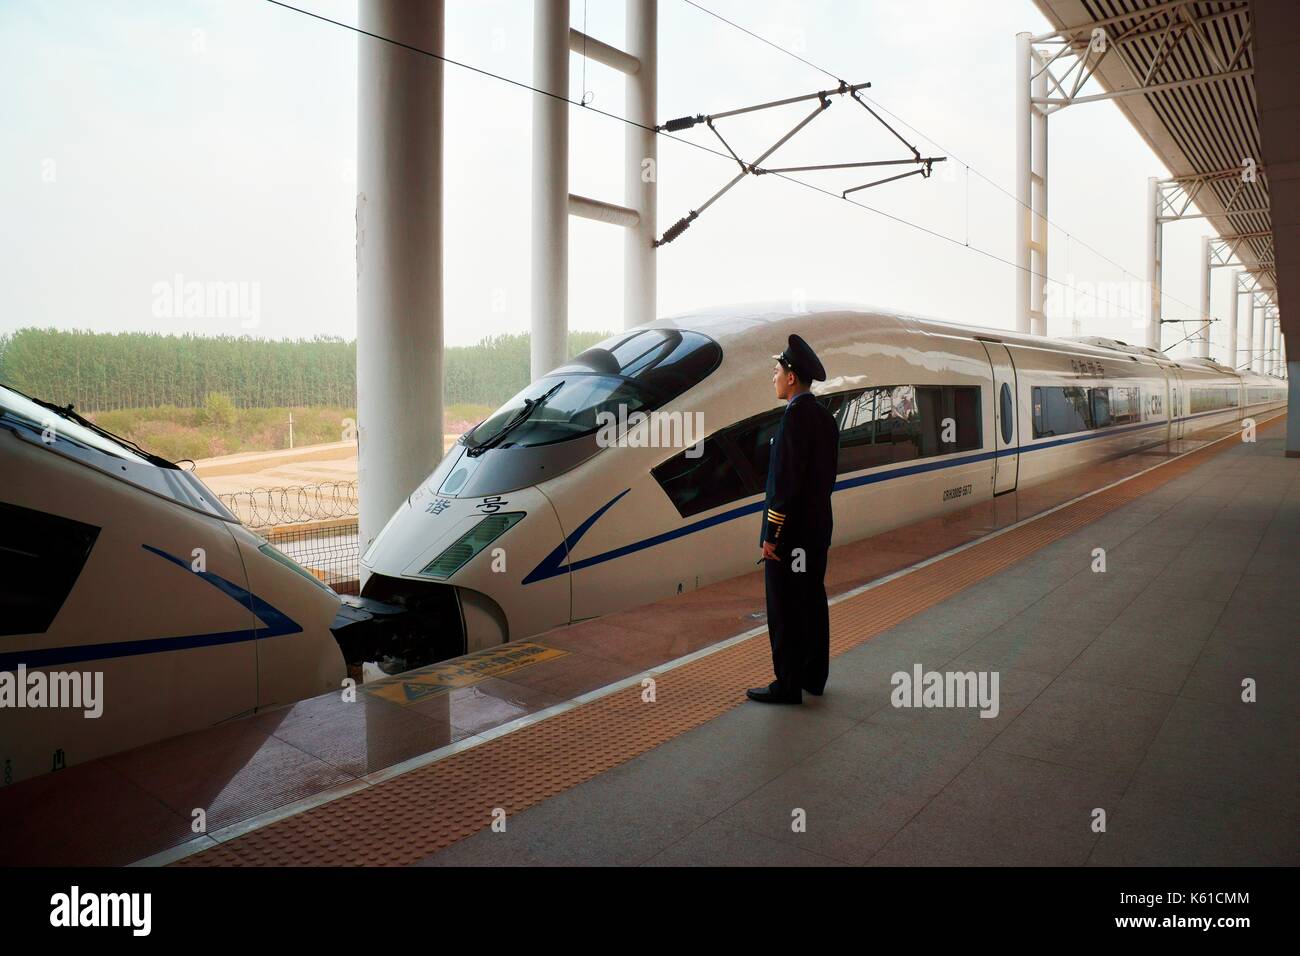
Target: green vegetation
[[192, 396], [179, 433], [100, 372]]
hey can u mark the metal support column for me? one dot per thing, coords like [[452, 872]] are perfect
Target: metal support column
[[1249, 363], [1203, 340], [1234, 278], [1155, 232], [399, 256], [1024, 182], [1257, 346]]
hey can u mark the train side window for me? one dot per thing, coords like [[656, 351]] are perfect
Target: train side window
[[699, 484], [965, 405], [1213, 398], [41, 557], [938, 404], [1126, 406], [753, 440], [1060, 410], [1100, 398], [865, 438], [1008, 409], [901, 421]]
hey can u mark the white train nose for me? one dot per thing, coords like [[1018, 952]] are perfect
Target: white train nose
[[457, 568]]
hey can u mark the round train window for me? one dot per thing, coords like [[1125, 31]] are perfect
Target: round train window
[[1007, 411]]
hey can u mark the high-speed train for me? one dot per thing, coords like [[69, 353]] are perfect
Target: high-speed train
[[133, 605], [543, 514], [116, 563]]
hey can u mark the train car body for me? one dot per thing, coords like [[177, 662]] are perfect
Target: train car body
[[136, 607], [533, 521], [631, 473]]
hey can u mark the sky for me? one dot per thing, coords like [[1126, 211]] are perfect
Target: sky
[[150, 144]]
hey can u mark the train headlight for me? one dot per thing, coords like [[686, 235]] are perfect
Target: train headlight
[[456, 555]]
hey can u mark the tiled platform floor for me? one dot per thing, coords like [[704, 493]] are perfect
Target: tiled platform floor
[[1120, 691], [129, 806]]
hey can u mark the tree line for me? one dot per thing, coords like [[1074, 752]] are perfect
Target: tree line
[[105, 371]]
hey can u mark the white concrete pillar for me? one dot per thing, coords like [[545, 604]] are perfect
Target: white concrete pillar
[[641, 165], [550, 165], [1270, 348], [1257, 347], [1231, 358], [1038, 138], [1203, 341], [1154, 231], [1024, 182], [399, 255]]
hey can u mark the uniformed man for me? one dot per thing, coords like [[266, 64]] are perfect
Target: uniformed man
[[797, 530]]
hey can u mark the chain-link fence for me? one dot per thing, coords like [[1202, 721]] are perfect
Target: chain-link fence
[[316, 525]]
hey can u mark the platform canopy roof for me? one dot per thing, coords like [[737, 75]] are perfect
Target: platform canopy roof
[[1183, 72]]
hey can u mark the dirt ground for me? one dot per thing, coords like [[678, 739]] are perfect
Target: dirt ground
[[309, 465]]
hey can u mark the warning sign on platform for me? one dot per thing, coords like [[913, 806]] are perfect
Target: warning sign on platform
[[424, 682]]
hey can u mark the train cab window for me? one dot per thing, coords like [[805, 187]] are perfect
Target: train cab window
[[639, 371], [1060, 410], [698, 484], [1008, 410]]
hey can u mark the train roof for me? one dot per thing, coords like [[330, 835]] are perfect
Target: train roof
[[725, 323]]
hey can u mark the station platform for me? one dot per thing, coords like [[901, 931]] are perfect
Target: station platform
[[1119, 691]]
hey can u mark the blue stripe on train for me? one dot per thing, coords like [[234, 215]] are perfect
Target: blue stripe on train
[[552, 565], [276, 622]]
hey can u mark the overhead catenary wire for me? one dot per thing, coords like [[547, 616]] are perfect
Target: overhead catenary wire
[[664, 133], [1010, 195], [823, 98]]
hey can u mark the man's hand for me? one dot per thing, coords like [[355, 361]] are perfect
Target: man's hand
[[769, 551]]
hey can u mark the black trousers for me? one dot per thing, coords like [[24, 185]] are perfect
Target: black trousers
[[798, 621]]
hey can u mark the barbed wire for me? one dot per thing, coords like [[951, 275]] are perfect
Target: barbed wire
[[293, 504]]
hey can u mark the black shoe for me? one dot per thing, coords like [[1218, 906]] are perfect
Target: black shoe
[[818, 692], [766, 695]]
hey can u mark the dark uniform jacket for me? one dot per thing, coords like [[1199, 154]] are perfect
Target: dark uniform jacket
[[800, 477]]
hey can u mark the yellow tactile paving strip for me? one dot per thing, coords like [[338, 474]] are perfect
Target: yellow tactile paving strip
[[404, 819]]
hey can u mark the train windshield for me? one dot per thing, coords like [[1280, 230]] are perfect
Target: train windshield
[[60, 431], [635, 372], [53, 424]]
